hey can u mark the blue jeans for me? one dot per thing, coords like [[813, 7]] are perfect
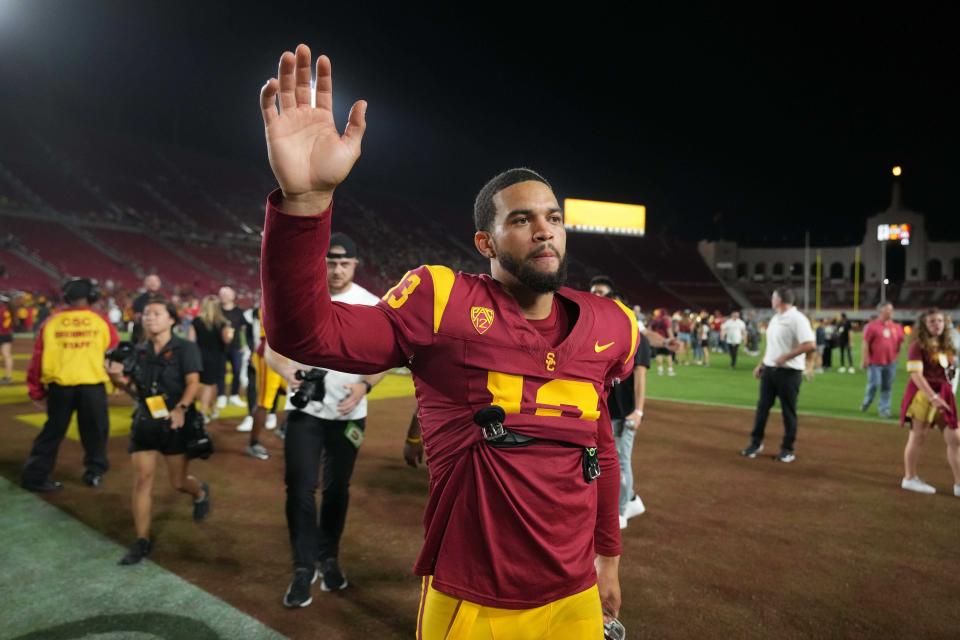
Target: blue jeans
[[624, 452], [880, 375]]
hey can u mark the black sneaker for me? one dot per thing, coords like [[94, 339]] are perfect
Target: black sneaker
[[138, 551], [201, 507], [785, 455], [752, 450], [47, 486], [298, 593], [92, 479], [333, 578]]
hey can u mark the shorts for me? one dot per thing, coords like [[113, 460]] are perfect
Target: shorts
[[156, 435], [662, 351], [6, 338], [443, 617], [269, 382], [921, 410]]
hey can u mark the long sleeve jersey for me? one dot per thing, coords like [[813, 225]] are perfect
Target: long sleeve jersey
[[510, 528]]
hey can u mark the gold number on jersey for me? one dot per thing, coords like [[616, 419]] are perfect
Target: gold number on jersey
[[412, 284], [507, 392]]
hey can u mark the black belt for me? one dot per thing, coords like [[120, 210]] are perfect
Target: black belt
[[496, 435]]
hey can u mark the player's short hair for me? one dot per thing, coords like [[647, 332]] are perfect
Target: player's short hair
[[483, 209], [785, 294], [601, 279]]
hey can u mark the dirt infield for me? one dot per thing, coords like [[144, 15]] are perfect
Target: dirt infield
[[826, 547]]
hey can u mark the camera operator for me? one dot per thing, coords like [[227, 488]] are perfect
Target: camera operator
[[162, 373], [326, 420]]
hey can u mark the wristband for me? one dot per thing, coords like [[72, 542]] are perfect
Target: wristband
[[185, 407], [414, 440], [369, 386]]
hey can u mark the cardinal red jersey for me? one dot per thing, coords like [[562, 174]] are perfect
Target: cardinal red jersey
[[510, 528]]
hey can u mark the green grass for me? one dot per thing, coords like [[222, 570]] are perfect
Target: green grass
[[60, 581], [830, 394]]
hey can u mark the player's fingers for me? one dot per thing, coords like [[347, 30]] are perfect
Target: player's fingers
[[268, 101], [324, 90], [304, 90], [356, 125], [287, 77]]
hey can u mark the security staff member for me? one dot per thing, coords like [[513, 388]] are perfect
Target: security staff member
[[66, 374], [330, 430]]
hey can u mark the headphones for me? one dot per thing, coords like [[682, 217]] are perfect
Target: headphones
[[76, 288]]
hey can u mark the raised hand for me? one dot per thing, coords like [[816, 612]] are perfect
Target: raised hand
[[308, 155]]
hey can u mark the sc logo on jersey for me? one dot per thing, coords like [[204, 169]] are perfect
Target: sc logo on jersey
[[551, 361]]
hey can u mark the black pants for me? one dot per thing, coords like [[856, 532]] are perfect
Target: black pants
[[846, 356], [251, 387], [308, 441], [733, 349], [783, 383], [90, 403], [235, 358]]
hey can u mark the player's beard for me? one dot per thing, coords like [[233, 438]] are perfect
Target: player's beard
[[536, 281]]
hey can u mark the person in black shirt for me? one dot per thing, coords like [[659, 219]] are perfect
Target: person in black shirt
[[235, 315], [151, 286], [212, 332], [625, 403], [164, 378], [842, 338]]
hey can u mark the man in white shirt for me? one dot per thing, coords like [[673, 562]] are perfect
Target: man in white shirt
[[732, 333], [789, 338], [330, 429]]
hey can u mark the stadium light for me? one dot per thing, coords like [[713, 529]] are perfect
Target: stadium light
[[897, 171]]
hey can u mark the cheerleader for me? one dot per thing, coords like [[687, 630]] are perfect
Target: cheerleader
[[929, 400]]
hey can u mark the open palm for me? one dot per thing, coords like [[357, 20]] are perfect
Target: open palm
[[308, 155]]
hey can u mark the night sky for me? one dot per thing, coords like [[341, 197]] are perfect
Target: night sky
[[753, 125]]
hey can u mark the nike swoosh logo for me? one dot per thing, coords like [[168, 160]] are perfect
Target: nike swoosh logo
[[601, 347]]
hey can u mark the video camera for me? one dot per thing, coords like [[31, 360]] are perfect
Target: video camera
[[311, 387], [124, 354]]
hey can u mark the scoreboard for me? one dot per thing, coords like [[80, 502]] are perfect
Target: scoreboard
[[894, 233], [611, 218]]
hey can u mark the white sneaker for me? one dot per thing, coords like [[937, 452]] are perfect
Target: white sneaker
[[634, 508], [221, 402], [623, 522], [918, 485], [271, 421], [671, 372], [237, 401], [257, 451], [842, 370], [851, 370], [659, 371], [246, 425], [956, 490]]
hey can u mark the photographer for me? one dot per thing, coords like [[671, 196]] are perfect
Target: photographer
[[326, 420], [163, 375]]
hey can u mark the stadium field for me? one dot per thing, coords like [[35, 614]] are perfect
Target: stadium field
[[826, 547], [831, 394]]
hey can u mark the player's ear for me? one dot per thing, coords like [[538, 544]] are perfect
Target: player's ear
[[484, 244]]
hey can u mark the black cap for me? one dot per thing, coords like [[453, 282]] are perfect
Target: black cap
[[342, 246]]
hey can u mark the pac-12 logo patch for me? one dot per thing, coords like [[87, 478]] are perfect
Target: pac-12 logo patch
[[482, 319]]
